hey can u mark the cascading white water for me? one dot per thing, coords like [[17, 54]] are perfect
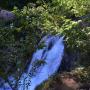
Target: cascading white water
[[45, 62], [51, 54]]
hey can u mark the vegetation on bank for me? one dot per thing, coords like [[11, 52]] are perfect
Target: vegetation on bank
[[19, 38]]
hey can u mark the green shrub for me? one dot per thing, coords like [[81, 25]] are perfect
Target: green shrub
[[19, 39]]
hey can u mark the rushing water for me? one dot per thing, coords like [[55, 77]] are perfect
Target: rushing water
[[45, 62], [51, 54]]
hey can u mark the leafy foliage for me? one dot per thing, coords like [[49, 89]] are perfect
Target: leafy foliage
[[19, 38]]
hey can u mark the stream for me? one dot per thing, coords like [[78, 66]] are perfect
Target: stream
[[45, 62]]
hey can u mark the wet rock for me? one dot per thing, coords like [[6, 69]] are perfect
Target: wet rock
[[68, 61]]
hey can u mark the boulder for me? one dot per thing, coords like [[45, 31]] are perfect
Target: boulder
[[6, 15]]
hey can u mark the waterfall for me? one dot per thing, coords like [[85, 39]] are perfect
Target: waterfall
[[49, 59], [45, 62]]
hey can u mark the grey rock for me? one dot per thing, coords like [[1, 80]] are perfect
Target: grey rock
[[6, 15]]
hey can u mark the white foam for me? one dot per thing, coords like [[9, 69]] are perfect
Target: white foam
[[52, 58]]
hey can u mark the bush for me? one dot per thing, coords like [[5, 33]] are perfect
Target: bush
[[19, 39]]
